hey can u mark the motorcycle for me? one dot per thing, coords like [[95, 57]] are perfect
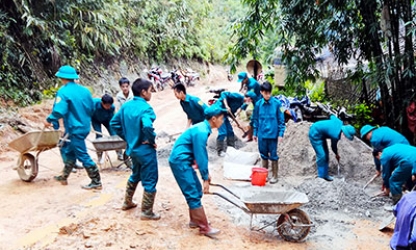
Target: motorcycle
[[159, 79], [190, 77], [176, 77], [304, 110], [217, 94]]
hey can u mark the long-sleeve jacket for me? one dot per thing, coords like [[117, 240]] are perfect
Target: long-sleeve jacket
[[253, 85], [102, 115], [235, 100], [121, 99], [192, 145], [327, 129], [74, 104], [268, 119], [194, 108], [134, 123], [405, 229], [398, 155], [384, 137]]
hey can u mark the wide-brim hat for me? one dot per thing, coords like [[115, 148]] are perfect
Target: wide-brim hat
[[366, 129], [254, 67], [67, 72], [348, 131]]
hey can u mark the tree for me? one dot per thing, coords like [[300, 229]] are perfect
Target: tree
[[385, 53]]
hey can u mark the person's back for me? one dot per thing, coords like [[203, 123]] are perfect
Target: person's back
[[327, 129], [404, 235], [384, 137], [78, 109], [131, 113]]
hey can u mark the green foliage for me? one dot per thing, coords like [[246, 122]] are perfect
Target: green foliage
[[362, 113], [37, 38], [316, 91], [50, 93]]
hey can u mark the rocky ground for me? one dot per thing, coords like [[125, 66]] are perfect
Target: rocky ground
[[43, 214]]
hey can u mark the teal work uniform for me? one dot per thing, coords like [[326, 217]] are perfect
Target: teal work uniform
[[318, 134], [74, 104], [384, 137], [398, 162], [253, 85], [189, 147], [194, 108], [235, 101], [102, 116], [268, 125], [134, 123]]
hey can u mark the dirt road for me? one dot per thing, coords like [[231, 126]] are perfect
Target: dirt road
[[43, 214]]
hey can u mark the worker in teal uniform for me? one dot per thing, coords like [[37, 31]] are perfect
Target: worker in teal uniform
[[380, 138], [191, 105], [249, 97], [250, 82], [268, 128], [134, 123], [397, 163], [74, 104], [232, 102], [191, 147], [103, 113], [318, 134]]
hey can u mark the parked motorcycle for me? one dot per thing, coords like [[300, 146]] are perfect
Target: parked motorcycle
[[159, 79], [176, 77], [190, 77], [217, 94]]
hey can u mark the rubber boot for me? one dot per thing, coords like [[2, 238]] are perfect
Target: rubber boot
[[323, 173], [95, 177], [230, 141], [65, 173], [220, 147], [275, 171], [265, 164], [147, 207], [192, 223], [120, 155], [128, 198], [200, 218], [396, 198]]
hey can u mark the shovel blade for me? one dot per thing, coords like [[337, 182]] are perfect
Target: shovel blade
[[386, 222]]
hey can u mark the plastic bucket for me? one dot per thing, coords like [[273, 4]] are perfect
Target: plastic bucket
[[259, 176]]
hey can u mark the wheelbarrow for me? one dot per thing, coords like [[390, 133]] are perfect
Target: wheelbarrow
[[293, 224], [39, 141], [109, 143]]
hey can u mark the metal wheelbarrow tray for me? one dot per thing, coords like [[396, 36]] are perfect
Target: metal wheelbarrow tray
[[109, 143], [27, 164], [293, 224]]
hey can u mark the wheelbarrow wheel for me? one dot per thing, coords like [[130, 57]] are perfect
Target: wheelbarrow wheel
[[28, 168], [293, 233], [127, 160]]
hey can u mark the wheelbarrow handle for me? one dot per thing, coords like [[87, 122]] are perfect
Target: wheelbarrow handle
[[230, 201], [226, 189]]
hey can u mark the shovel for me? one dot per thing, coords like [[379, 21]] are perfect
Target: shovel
[[386, 222], [236, 122], [371, 180]]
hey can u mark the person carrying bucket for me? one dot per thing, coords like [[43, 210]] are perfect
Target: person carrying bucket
[[74, 104], [191, 147], [268, 128], [319, 133], [380, 138]]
